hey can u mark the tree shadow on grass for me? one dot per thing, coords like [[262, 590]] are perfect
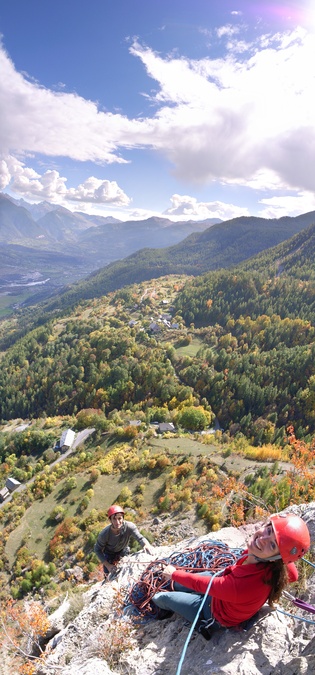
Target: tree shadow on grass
[[86, 486]]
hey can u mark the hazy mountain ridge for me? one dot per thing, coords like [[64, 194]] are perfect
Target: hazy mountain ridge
[[58, 224], [92, 241], [221, 246], [16, 223]]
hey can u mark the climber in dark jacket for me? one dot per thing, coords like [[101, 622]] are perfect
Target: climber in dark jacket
[[112, 542]]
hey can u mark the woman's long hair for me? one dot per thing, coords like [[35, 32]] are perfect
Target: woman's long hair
[[277, 578]]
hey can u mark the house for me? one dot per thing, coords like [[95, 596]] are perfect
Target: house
[[134, 423], [11, 483], [165, 426], [4, 493], [154, 327], [66, 440], [166, 317]]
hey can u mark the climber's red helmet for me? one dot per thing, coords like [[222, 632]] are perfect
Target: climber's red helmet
[[115, 508], [292, 536]]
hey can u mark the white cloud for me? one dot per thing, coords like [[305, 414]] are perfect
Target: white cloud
[[233, 119], [36, 120], [276, 207], [183, 205], [98, 191], [51, 186], [228, 31]]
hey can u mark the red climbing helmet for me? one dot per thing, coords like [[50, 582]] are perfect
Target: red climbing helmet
[[115, 509], [292, 536]]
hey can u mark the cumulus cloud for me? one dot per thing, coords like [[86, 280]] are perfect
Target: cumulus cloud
[[98, 191], [51, 186], [183, 205]]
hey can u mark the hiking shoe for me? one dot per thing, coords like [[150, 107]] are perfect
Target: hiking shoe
[[205, 632], [164, 614], [204, 628]]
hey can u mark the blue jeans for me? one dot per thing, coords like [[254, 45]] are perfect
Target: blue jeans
[[184, 601], [113, 558]]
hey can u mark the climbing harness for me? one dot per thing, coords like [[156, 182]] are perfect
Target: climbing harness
[[210, 556]]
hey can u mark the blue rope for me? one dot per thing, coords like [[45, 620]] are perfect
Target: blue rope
[[194, 623], [294, 616], [308, 562]]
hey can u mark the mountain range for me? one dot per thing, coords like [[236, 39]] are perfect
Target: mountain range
[[75, 244], [242, 241], [103, 254], [52, 227]]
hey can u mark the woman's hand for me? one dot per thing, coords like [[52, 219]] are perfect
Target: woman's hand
[[167, 572]]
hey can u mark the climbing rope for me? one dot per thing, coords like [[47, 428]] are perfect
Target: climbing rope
[[210, 556], [192, 628]]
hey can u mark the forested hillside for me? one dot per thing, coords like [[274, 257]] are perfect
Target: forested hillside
[[220, 246], [253, 365], [228, 358]]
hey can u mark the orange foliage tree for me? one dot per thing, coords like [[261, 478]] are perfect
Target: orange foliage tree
[[23, 626]]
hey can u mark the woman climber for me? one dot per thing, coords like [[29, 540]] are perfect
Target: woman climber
[[235, 596]]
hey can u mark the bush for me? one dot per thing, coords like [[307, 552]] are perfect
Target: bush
[[70, 484], [94, 474], [76, 604], [57, 513]]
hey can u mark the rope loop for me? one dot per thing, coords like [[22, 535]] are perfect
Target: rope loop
[[210, 556]]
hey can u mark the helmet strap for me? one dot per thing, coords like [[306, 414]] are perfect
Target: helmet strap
[[271, 559]]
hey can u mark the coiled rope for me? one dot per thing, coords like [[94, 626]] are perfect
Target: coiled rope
[[210, 556]]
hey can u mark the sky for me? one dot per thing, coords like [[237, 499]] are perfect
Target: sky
[[183, 109]]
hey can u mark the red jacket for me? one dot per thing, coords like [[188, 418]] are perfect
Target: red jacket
[[238, 593]]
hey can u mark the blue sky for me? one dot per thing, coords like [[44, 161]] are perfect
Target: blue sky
[[176, 108]]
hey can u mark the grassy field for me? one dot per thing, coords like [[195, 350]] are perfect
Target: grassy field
[[191, 349], [6, 302], [35, 527], [181, 446], [190, 447]]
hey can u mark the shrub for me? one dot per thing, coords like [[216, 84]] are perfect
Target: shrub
[[57, 513], [70, 484], [76, 604], [162, 462], [94, 474]]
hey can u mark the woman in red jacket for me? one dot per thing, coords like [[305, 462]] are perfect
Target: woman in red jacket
[[235, 596]]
